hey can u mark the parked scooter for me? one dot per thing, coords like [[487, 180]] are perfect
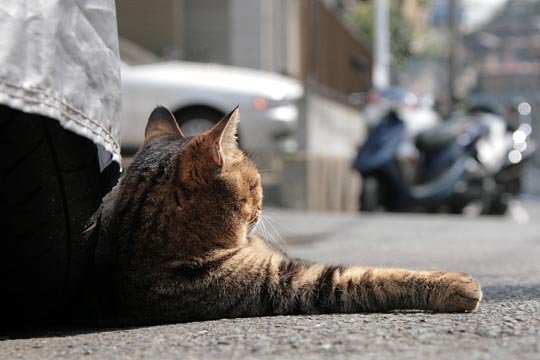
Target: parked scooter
[[503, 151], [440, 173], [471, 158]]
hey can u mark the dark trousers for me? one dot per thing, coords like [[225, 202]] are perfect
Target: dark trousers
[[50, 184]]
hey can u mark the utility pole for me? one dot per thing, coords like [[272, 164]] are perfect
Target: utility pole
[[452, 54], [381, 51]]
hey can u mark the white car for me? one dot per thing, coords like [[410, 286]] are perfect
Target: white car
[[200, 94]]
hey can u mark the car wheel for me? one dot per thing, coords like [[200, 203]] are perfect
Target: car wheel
[[196, 120]]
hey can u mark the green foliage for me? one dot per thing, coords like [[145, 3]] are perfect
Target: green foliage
[[400, 31]]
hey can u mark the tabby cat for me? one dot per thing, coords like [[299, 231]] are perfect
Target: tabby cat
[[177, 236]]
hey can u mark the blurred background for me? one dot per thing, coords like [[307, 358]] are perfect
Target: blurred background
[[374, 105]]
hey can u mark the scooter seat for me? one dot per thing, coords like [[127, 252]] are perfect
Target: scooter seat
[[439, 137]]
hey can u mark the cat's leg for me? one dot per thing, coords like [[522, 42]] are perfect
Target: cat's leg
[[297, 286], [256, 281], [355, 289]]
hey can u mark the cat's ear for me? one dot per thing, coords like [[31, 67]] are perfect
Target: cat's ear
[[161, 123], [223, 136]]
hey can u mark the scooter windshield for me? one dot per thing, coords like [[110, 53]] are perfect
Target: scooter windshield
[[381, 145]]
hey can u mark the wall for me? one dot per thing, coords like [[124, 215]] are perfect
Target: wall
[[320, 177], [207, 24], [155, 25], [334, 129], [244, 35]]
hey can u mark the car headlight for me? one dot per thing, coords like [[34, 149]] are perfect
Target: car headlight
[[288, 112], [282, 110]]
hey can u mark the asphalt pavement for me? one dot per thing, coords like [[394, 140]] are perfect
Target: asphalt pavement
[[503, 253]]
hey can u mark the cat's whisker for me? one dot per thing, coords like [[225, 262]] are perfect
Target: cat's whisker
[[250, 151], [278, 239], [260, 229], [264, 230], [277, 222], [256, 150], [255, 154], [266, 233], [250, 154], [278, 235], [283, 242]]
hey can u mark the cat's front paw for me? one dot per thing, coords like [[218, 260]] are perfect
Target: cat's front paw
[[458, 292]]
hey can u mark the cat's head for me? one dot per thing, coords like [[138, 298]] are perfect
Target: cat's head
[[206, 178]]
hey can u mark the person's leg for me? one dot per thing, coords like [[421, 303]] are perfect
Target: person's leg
[[50, 184]]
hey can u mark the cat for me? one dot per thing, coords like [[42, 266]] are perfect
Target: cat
[[174, 243]]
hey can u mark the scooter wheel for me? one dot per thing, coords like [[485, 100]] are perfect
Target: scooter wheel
[[369, 198], [498, 205]]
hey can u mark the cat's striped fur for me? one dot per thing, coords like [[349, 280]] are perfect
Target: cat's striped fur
[[180, 221]]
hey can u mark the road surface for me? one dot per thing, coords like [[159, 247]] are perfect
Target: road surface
[[502, 253]]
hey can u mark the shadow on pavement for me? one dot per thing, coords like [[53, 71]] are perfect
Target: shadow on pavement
[[52, 331], [491, 294]]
